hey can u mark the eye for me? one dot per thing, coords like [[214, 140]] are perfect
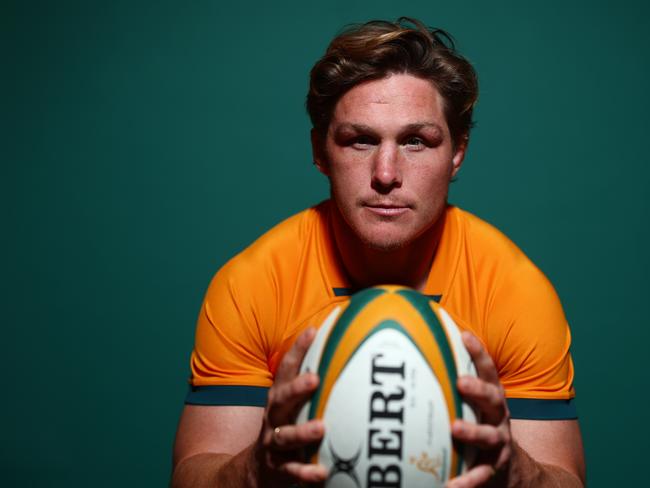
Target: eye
[[414, 142], [362, 141]]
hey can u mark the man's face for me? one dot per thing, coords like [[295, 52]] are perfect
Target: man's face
[[389, 157]]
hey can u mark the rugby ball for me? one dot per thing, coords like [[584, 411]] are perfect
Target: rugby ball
[[388, 361]]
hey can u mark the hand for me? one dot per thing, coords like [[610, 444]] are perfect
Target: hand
[[278, 450], [492, 436]]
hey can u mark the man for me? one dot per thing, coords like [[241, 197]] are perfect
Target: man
[[391, 105]]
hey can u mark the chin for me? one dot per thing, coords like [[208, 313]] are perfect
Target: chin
[[385, 237], [385, 243]]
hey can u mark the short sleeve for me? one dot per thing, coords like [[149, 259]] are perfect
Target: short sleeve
[[529, 338], [229, 363]]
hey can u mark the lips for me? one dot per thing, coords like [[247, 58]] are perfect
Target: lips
[[387, 209]]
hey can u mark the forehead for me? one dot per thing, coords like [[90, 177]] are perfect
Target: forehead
[[397, 100]]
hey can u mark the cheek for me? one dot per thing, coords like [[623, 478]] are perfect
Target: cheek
[[345, 188], [349, 180], [430, 180]]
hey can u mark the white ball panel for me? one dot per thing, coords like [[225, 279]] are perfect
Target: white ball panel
[[425, 434]]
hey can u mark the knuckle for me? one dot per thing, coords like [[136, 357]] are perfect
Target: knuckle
[[507, 453], [301, 347], [267, 435], [290, 363], [302, 383], [495, 396], [290, 389], [277, 395], [484, 360], [306, 433], [266, 441], [267, 428], [296, 387], [475, 436], [285, 469], [494, 437], [506, 409], [283, 368], [472, 386], [472, 433], [273, 411], [500, 438], [487, 391], [302, 434], [507, 439], [506, 415], [272, 396]]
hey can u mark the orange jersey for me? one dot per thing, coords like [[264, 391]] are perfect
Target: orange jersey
[[292, 277]]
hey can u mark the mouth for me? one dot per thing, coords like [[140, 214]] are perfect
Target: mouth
[[387, 209]]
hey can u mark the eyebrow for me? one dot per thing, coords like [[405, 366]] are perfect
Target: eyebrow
[[424, 125], [410, 127]]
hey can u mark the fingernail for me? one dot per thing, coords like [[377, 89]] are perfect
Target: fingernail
[[316, 427], [312, 380]]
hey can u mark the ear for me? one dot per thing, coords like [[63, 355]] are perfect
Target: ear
[[318, 152], [459, 156]]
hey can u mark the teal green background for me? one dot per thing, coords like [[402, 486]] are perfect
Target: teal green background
[[144, 143]]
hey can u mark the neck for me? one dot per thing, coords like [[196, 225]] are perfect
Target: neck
[[365, 266]]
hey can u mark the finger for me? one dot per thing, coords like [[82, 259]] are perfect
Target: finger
[[482, 360], [306, 473], [477, 476], [286, 399], [486, 437], [294, 390], [291, 437], [290, 364], [488, 398]]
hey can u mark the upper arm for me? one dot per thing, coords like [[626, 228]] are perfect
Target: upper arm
[[216, 429], [556, 442], [529, 337], [232, 344]]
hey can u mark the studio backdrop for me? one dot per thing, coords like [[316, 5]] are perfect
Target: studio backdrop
[[145, 143]]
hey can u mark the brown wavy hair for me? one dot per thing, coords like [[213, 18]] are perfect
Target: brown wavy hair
[[377, 49]]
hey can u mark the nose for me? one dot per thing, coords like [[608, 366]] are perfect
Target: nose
[[386, 170]]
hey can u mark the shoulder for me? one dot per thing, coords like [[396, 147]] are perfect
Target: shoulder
[[525, 329], [485, 239], [276, 251], [257, 284], [513, 297], [245, 298], [494, 254]]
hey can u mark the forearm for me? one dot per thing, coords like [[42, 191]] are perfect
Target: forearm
[[215, 470], [525, 472]]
